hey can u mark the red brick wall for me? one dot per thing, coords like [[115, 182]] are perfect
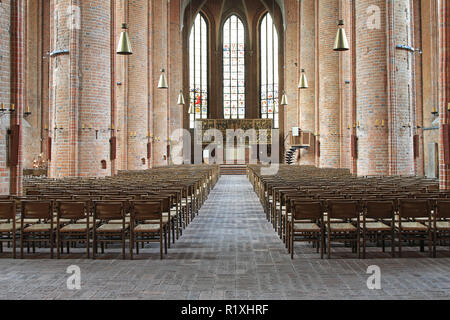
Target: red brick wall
[[307, 60], [137, 113], [371, 92], [328, 94], [5, 91]]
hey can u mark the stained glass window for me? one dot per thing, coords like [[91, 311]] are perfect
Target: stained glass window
[[233, 68], [269, 70], [198, 55]]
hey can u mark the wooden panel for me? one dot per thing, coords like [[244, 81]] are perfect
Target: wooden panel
[[149, 150], [416, 146], [49, 148], [113, 148], [446, 145], [354, 146], [14, 155]]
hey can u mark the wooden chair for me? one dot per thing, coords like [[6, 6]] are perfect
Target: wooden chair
[[43, 231], [147, 225], [104, 232], [441, 223], [73, 232], [8, 226], [407, 226], [306, 224], [381, 223], [344, 231]]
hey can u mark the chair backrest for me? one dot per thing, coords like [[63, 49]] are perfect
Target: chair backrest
[[165, 200], [343, 209], [37, 209], [72, 209], [443, 209], [307, 210], [414, 208], [108, 210], [146, 210], [379, 209], [8, 209]]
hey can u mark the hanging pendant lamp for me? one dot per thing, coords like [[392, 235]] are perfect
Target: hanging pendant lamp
[[303, 84], [191, 109], [163, 81], [181, 101], [124, 47], [284, 99], [341, 43]]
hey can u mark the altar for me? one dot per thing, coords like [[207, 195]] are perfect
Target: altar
[[238, 141]]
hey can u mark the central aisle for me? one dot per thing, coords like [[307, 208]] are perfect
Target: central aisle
[[231, 225]]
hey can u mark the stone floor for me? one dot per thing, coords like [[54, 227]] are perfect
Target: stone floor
[[229, 251]]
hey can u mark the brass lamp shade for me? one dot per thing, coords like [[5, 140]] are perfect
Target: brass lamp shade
[[303, 81], [341, 43], [191, 109], [124, 46], [181, 101], [284, 99], [163, 81]]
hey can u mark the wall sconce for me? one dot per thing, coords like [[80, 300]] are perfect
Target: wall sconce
[[152, 137], [4, 111], [434, 112], [27, 112], [133, 134], [357, 125], [407, 125], [376, 123], [382, 123], [111, 128]]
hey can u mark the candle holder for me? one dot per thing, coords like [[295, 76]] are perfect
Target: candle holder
[[4, 111], [27, 112]]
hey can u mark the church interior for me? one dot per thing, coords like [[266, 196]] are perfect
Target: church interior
[[224, 149]]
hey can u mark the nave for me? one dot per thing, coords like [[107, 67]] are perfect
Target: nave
[[229, 251]]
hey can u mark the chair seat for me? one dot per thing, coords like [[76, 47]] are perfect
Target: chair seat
[[27, 221], [76, 227], [376, 226], [342, 227], [111, 227], [120, 221], [441, 225], [361, 219], [7, 227], [164, 220], [306, 227], [147, 228], [41, 227], [412, 226], [81, 221]]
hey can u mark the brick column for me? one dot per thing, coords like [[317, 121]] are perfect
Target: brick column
[[137, 119], [307, 61], [17, 46], [444, 86], [371, 91], [328, 86], [81, 95], [159, 97]]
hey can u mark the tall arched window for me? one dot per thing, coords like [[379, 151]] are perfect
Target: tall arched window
[[198, 61], [269, 69], [233, 68]]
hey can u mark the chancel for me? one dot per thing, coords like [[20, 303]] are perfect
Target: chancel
[[224, 149]]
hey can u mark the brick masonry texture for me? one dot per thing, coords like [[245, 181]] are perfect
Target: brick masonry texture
[[5, 92], [229, 251], [373, 81]]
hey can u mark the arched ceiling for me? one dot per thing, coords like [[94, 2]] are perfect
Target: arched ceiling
[[186, 3]]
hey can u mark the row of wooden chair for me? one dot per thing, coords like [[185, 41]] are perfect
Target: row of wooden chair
[[140, 206], [324, 188]]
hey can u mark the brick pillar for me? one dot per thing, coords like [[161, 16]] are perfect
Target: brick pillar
[[81, 95], [17, 47], [371, 92], [444, 86], [5, 93], [291, 79], [159, 97], [388, 96], [175, 69], [307, 61], [137, 119], [328, 86]]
